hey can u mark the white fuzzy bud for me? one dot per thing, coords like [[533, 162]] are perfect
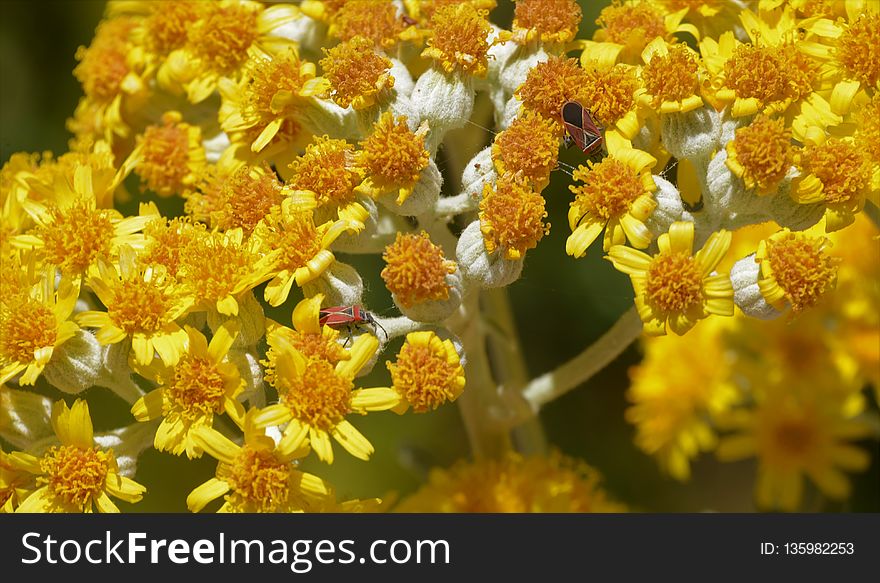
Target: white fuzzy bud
[[248, 364], [423, 197], [403, 81], [435, 310], [692, 134], [670, 208], [506, 116], [746, 294], [323, 116], [75, 365], [24, 417], [478, 265], [479, 172], [445, 101], [128, 443], [215, 145], [341, 285], [518, 63], [308, 33]]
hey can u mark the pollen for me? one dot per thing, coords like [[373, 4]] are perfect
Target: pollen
[[259, 481], [394, 155], [425, 375], [245, 198], [610, 93], [624, 22], [763, 148], [843, 168], [103, 65], [674, 282], [222, 37], [267, 78], [529, 146], [296, 237], [550, 84], [75, 475], [609, 188], [768, 73], [376, 20], [214, 264], [26, 326], [168, 25], [196, 390], [327, 168], [858, 49], [801, 267], [355, 70], [319, 397], [169, 238], [416, 269], [76, 236], [139, 306], [512, 218], [550, 18], [165, 156], [673, 76], [460, 39]]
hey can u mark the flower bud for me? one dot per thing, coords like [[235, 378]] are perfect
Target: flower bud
[[75, 365], [341, 285], [477, 264], [445, 101], [693, 134], [746, 293]]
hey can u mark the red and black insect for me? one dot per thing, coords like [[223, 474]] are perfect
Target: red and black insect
[[582, 129], [349, 317]]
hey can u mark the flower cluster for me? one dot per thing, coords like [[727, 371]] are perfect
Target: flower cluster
[[297, 136]]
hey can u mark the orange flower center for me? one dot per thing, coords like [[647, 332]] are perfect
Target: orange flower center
[[103, 65], [460, 34], [530, 146], [327, 169], [245, 198], [297, 238], [75, 476], [764, 150], [673, 76], [168, 25], [319, 397], [674, 282], [843, 168], [609, 93], [624, 22], [223, 36], [376, 20], [260, 482], [213, 266], [139, 306], [26, 325], [802, 268], [858, 49], [550, 84], [77, 236], [512, 218], [197, 389], [610, 188], [548, 16], [424, 376], [354, 69], [164, 163], [768, 73], [393, 155], [416, 269], [267, 78]]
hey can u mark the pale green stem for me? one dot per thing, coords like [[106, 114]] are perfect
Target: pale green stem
[[572, 374]]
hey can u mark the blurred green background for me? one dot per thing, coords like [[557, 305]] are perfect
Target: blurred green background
[[560, 306]]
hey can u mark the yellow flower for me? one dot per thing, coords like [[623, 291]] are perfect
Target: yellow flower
[[392, 157], [167, 239], [166, 25], [611, 93], [172, 155], [754, 78], [256, 476], [219, 268], [550, 84], [203, 383], [308, 336], [238, 200], [795, 436], [73, 234], [836, 172], [142, 304], [298, 249], [796, 270], [459, 39], [110, 73], [376, 20], [552, 483], [553, 22], [219, 43], [33, 323], [847, 53], [416, 270], [315, 397], [625, 28], [672, 76], [512, 217], [328, 169], [357, 74], [75, 476], [672, 406], [674, 288], [271, 90], [616, 196], [427, 373], [530, 145], [761, 154]]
